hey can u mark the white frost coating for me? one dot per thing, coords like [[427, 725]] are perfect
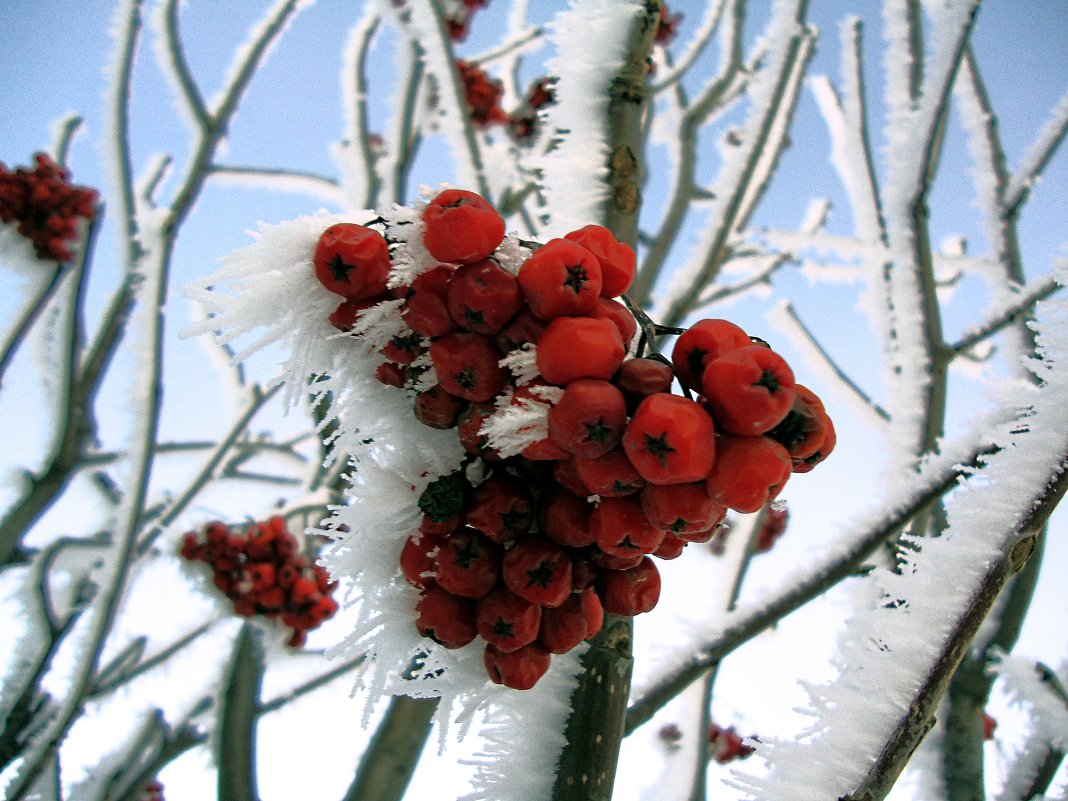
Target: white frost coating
[[349, 153], [1033, 159], [777, 41], [589, 40], [892, 645], [268, 290], [167, 56], [696, 45], [1026, 686], [524, 734], [522, 422], [523, 363]]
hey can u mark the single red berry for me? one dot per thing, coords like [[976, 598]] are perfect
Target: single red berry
[[670, 547], [749, 472], [417, 558], [469, 430], [682, 509], [565, 474], [589, 418], [343, 318], [352, 260], [404, 348], [437, 408], [633, 591], [304, 591], [639, 378], [482, 297], [520, 330], [611, 475], [501, 508], [584, 572], [467, 366], [822, 452], [518, 669], [750, 389], [445, 618], [561, 279], [579, 347], [802, 431], [261, 574], [620, 527], [617, 259], [609, 561], [461, 226], [544, 450], [426, 308], [565, 519], [670, 440], [270, 598], [563, 627], [619, 315], [392, 375], [507, 621], [537, 569], [593, 609], [704, 341], [468, 564], [323, 608]]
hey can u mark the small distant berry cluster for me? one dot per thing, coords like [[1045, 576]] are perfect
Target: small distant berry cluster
[[667, 26], [725, 745], [483, 96], [458, 14], [45, 206], [153, 791], [557, 531], [264, 573]]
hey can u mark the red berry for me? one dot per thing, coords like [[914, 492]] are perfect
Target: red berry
[[749, 472], [617, 259], [589, 418], [537, 569], [633, 591], [426, 307], [467, 366], [303, 591], [520, 330], [621, 528], [482, 297], [519, 669], [352, 260], [507, 621], [261, 574], [619, 315], [640, 378], [344, 316], [502, 508], [437, 408], [445, 618], [670, 548], [561, 279], [682, 509], [704, 341], [417, 558], [565, 519], [822, 452], [579, 347], [749, 389], [801, 432], [469, 427], [468, 564], [565, 473], [563, 627], [611, 475], [404, 348], [461, 226], [670, 440], [593, 609]]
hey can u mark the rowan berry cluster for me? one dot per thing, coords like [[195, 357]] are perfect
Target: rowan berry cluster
[[458, 14], [45, 206], [483, 97], [667, 26], [725, 745], [153, 791], [263, 572], [560, 529]]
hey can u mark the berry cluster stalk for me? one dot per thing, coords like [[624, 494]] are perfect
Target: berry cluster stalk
[[595, 729]]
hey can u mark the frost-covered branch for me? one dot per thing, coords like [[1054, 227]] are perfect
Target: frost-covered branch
[[280, 180], [235, 740], [1021, 306]]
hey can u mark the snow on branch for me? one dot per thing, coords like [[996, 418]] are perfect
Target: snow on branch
[[575, 169], [915, 623], [1038, 155]]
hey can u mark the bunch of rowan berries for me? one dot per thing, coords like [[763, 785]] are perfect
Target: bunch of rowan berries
[[725, 744], [557, 531], [263, 572], [458, 14], [153, 791], [483, 94], [45, 206]]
